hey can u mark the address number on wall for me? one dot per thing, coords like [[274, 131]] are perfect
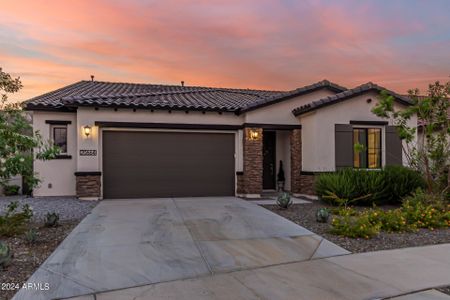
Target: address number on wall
[[88, 152]]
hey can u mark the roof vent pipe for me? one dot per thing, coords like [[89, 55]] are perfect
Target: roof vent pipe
[[92, 77], [182, 83]]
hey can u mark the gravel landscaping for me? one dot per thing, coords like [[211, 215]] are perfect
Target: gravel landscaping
[[304, 215], [27, 258], [68, 208]]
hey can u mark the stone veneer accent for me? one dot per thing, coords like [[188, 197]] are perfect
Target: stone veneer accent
[[88, 184], [240, 189], [296, 161], [307, 183], [253, 162]]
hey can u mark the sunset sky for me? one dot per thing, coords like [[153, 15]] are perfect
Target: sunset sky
[[227, 43]]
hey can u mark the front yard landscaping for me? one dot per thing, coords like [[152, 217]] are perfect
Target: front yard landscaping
[[370, 210], [305, 215], [33, 236]]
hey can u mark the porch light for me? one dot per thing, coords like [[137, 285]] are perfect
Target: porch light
[[253, 135], [87, 130]]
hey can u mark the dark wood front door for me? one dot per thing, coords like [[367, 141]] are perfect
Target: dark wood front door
[[269, 167]]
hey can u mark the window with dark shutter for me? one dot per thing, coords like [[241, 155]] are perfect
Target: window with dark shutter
[[343, 144], [394, 148]]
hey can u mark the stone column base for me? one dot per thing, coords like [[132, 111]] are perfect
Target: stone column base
[[307, 183], [88, 185]]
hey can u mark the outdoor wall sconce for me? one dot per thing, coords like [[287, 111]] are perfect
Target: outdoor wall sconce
[[87, 130], [253, 135]]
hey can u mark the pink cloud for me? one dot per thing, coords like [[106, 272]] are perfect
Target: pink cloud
[[256, 44]]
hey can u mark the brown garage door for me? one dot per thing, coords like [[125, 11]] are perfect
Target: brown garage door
[[162, 164]]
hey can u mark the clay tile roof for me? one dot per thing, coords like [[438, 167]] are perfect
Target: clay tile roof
[[155, 96], [359, 90]]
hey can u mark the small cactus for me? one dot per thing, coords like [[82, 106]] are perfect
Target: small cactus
[[31, 236], [322, 215], [284, 200], [51, 219], [5, 255]]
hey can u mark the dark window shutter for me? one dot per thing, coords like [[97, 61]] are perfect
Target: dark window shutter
[[393, 147], [343, 148]]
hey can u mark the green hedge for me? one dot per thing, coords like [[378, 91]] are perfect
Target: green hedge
[[386, 186]]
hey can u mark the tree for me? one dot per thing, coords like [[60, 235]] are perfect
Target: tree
[[17, 141], [429, 154]]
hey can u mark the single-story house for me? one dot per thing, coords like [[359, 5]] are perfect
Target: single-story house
[[125, 140]]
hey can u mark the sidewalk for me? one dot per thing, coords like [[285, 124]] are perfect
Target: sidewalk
[[372, 275]]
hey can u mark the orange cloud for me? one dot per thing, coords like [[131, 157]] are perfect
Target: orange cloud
[[250, 44]]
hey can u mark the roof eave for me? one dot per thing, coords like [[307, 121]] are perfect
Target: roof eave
[[298, 111], [154, 107], [281, 99]]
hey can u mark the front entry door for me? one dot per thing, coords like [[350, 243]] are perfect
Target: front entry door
[[269, 167]]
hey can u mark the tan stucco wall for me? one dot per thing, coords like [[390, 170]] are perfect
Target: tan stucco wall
[[59, 173], [318, 130], [281, 113]]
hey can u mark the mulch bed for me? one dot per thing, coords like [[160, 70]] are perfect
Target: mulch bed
[[304, 215], [27, 258]]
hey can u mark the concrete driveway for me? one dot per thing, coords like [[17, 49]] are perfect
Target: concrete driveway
[[128, 243]]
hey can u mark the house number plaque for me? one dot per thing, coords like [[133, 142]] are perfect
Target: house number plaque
[[88, 152]]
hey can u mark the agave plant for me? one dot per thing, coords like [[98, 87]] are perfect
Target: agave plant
[[51, 219], [284, 200], [322, 215], [5, 255], [31, 236]]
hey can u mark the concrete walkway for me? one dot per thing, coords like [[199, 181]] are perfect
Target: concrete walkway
[[128, 243], [374, 275]]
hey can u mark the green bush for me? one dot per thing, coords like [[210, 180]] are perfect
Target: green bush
[[11, 190], [401, 182], [5, 255], [359, 226], [414, 213], [368, 187], [14, 222]]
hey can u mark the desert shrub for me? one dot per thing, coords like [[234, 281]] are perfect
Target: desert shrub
[[31, 236], [401, 182], [414, 213], [5, 255], [424, 215], [359, 226], [52, 219], [284, 200], [394, 221], [14, 222], [322, 215], [11, 190], [367, 187]]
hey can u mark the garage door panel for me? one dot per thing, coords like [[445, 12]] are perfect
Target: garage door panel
[[161, 164]]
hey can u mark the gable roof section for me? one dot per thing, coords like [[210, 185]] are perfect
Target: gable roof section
[[368, 87], [152, 96], [294, 93]]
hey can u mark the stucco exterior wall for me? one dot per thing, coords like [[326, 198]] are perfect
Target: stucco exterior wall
[[57, 175], [281, 113], [88, 116], [318, 130]]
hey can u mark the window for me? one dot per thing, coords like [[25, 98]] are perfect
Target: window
[[367, 148], [60, 137]]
